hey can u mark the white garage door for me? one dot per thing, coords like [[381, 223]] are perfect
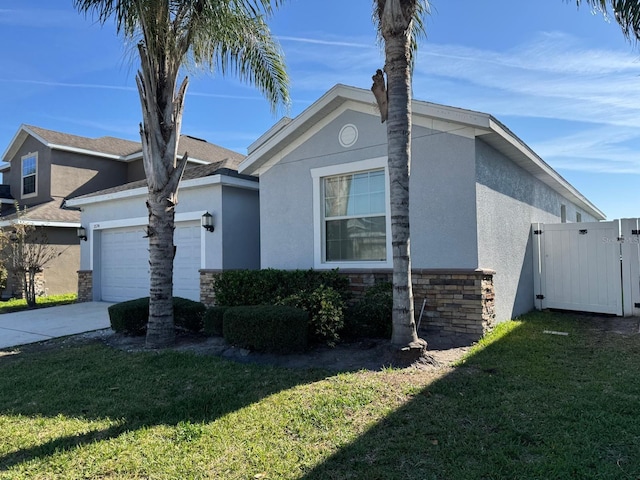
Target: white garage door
[[125, 263]]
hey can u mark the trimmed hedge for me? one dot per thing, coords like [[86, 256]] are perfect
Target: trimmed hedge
[[131, 317], [321, 293], [266, 287], [266, 328], [213, 321]]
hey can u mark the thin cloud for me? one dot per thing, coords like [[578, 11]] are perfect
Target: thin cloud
[[318, 41]]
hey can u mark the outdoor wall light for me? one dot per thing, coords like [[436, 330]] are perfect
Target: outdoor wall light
[[82, 233], [207, 222]]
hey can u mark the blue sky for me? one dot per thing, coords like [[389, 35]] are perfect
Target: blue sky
[[561, 78]]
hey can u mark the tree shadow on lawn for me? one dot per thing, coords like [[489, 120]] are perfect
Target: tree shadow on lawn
[[529, 405], [136, 390]]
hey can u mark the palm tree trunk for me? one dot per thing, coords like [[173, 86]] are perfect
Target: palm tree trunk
[[399, 152], [160, 329]]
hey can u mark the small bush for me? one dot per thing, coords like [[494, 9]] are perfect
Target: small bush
[[213, 321], [131, 317], [325, 307], [188, 314], [372, 315], [266, 328]]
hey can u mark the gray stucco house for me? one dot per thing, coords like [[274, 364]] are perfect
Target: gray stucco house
[[475, 191]]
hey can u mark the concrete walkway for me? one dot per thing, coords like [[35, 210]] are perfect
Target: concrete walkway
[[30, 326]]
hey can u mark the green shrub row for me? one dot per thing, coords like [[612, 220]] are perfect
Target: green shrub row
[[266, 328], [321, 293], [131, 317], [266, 287]]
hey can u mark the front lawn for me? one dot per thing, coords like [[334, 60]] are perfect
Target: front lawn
[[525, 404], [18, 304]]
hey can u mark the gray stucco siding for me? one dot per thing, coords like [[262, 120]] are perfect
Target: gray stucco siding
[[442, 201], [241, 235], [509, 200], [43, 175], [442, 190]]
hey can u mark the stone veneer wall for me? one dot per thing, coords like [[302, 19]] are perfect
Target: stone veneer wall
[[85, 286], [458, 302], [207, 292]]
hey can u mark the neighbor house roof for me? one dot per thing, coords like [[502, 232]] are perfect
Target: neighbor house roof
[[200, 151], [287, 134], [192, 175], [45, 214]]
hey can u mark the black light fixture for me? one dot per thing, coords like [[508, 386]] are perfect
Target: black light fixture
[[82, 233], [207, 222]]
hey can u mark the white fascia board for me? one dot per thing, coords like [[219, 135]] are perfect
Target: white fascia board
[[41, 223], [7, 201], [17, 140], [545, 173], [138, 156], [138, 221], [83, 151], [5, 167], [142, 191]]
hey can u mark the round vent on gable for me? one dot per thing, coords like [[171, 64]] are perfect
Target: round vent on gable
[[348, 135]]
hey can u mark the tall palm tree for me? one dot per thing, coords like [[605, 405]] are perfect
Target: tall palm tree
[[228, 35], [626, 13], [399, 22]]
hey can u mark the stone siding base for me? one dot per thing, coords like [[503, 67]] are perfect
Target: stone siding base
[[459, 303], [207, 281], [85, 286]]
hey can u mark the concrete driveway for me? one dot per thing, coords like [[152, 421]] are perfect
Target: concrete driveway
[[32, 326]]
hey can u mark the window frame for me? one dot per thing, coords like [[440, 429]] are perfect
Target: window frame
[[319, 226], [33, 155]]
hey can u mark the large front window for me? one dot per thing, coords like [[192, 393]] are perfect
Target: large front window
[[29, 174], [355, 217]]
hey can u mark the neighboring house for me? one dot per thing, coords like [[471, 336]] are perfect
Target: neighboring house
[[475, 190], [45, 167], [114, 263]]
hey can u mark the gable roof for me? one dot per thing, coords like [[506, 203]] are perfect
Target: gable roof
[[200, 151], [287, 134]]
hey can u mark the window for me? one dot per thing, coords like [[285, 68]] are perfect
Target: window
[[354, 217], [352, 223], [563, 213], [578, 217], [29, 174]]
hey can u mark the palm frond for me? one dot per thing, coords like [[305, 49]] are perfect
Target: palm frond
[[625, 12]]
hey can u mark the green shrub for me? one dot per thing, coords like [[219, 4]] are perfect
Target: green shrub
[[213, 321], [372, 315], [188, 314], [325, 307], [267, 287], [131, 317], [266, 328]]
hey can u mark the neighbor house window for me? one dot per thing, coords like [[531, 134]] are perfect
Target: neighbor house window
[[351, 216], [563, 213], [578, 217], [29, 174]]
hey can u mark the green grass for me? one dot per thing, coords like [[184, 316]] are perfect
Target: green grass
[[523, 405], [17, 304]]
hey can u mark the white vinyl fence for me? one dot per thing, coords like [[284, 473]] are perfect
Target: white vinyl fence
[[589, 267]]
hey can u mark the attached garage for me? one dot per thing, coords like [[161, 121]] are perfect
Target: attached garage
[[124, 256], [114, 259]]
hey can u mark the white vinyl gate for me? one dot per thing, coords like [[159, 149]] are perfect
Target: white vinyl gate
[[590, 267]]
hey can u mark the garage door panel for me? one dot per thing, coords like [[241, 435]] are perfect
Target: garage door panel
[[125, 263]]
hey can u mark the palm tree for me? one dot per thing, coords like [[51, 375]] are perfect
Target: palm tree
[[228, 35], [626, 13], [399, 22]]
